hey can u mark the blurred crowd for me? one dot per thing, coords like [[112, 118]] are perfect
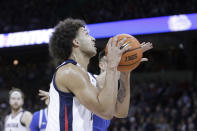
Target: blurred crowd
[[155, 105], [29, 15], [160, 107]]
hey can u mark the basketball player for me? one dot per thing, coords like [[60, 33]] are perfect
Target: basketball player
[[74, 95], [98, 122], [39, 120], [18, 119]]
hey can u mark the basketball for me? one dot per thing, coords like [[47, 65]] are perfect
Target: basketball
[[131, 58]]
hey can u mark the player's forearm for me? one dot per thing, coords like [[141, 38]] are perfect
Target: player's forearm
[[123, 99], [108, 94], [27, 124]]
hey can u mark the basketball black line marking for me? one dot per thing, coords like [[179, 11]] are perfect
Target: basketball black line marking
[[130, 64], [123, 46]]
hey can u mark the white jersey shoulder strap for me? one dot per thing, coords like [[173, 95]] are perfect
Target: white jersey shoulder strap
[[40, 118]]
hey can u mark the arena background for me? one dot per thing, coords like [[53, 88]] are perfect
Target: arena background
[[163, 90]]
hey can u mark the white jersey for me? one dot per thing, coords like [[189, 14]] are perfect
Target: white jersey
[[14, 123], [65, 112]]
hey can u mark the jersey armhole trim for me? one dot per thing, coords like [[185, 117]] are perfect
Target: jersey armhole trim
[[23, 124]]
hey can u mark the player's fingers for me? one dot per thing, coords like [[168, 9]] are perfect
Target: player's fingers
[[42, 94], [43, 98], [121, 43], [109, 44], [144, 59], [143, 43], [42, 91], [149, 43], [126, 49], [113, 43]]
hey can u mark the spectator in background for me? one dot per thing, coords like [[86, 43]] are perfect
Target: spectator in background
[[18, 119]]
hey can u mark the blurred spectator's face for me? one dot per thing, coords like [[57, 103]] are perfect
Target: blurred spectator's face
[[16, 100], [158, 108], [123, 129], [115, 129], [140, 129], [166, 110]]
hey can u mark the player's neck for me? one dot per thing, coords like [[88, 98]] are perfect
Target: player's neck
[[15, 112], [81, 58]]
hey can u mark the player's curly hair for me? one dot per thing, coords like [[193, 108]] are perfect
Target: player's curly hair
[[60, 44]]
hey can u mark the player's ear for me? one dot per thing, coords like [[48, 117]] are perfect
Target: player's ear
[[75, 43], [101, 66]]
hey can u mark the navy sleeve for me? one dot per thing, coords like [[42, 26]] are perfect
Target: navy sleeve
[[35, 122]]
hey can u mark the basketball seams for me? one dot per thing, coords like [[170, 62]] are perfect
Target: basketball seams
[[132, 50], [121, 39]]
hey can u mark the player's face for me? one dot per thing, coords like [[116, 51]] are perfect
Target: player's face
[[16, 100], [86, 42]]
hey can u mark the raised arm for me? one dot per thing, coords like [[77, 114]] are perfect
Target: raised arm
[[101, 102], [123, 99]]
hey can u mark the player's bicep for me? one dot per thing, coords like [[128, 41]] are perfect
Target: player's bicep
[[26, 119], [81, 87]]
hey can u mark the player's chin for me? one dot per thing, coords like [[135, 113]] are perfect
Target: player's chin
[[92, 53], [15, 107]]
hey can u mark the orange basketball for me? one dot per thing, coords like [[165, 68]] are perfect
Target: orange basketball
[[130, 59]]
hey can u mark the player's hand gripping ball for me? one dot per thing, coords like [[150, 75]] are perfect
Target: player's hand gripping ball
[[131, 58]]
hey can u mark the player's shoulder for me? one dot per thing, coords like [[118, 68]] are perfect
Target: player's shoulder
[[72, 77], [69, 71], [26, 115], [69, 67]]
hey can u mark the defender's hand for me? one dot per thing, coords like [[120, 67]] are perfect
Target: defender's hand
[[44, 96], [146, 46]]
